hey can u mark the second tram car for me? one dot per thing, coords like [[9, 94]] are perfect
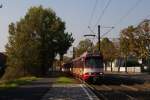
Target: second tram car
[[88, 66]]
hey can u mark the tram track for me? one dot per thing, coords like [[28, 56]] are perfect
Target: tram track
[[112, 88], [120, 92], [105, 92]]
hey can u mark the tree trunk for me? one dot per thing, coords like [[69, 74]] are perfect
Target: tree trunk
[[61, 59], [118, 68], [126, 64], [43, 67], [111, 66], [142, 65], [105, 66], [119, 65], [44, 64]]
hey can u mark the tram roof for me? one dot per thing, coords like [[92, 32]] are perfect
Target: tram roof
[[86, 54]]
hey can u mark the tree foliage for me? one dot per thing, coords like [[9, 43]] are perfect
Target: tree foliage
[[136, 40], [83, 46], [34, 42], [108, 51], [106, 48], [65, 41]]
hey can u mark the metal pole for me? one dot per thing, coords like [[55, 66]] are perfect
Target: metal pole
[[99, 38], [1, 6], [74, 53]]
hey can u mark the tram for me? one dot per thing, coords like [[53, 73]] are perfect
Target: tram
[[88, 67]]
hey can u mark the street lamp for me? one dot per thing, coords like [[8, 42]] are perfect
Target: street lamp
[[90, 35]]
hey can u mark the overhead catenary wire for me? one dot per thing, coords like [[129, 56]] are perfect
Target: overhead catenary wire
[[146, 17], [103, 12], [107, 32], [93, 12], [129, 11], [91, 15], [101, 15]]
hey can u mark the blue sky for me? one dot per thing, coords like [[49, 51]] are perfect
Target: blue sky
[[76, 14]]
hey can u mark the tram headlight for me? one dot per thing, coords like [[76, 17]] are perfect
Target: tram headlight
[[101, 73]]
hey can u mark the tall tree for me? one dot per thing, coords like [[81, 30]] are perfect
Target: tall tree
[[143, 39], [83, 46], [127, 43], [34, 42], [108, 51], [65, 41], [135, 40]]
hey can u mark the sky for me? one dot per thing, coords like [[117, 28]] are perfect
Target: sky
[[78, 15]]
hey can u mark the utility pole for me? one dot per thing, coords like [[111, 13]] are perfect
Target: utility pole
[[99, 34], [74, 52], [1, 6], [99, 38]]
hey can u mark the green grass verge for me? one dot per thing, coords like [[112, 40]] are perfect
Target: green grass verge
[[65, 80], [17, 82]]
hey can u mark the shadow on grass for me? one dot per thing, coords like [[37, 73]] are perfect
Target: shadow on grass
[[55, 74], [17, 82], [33, 91]]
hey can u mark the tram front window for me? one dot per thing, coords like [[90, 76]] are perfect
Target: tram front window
[[93, 62]]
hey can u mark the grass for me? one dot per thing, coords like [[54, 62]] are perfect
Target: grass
[[17, 82], [65, 80]]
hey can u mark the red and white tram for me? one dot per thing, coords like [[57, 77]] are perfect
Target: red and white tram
[[88, 66]]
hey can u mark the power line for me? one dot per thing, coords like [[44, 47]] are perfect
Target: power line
[[125, 15], [103, 12], [107, 32], [92, 14], [146, 17], [129, 11], [93, 11]]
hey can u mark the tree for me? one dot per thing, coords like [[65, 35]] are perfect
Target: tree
[[143, 39], [135, 40], [127, 43], [34, 41], [2, 64], [65, 41], [108, 51], [83, 46]]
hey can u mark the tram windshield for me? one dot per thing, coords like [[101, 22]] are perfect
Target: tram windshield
[[93, 62]]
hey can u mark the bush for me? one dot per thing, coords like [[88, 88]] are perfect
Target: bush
[[132, 63]]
